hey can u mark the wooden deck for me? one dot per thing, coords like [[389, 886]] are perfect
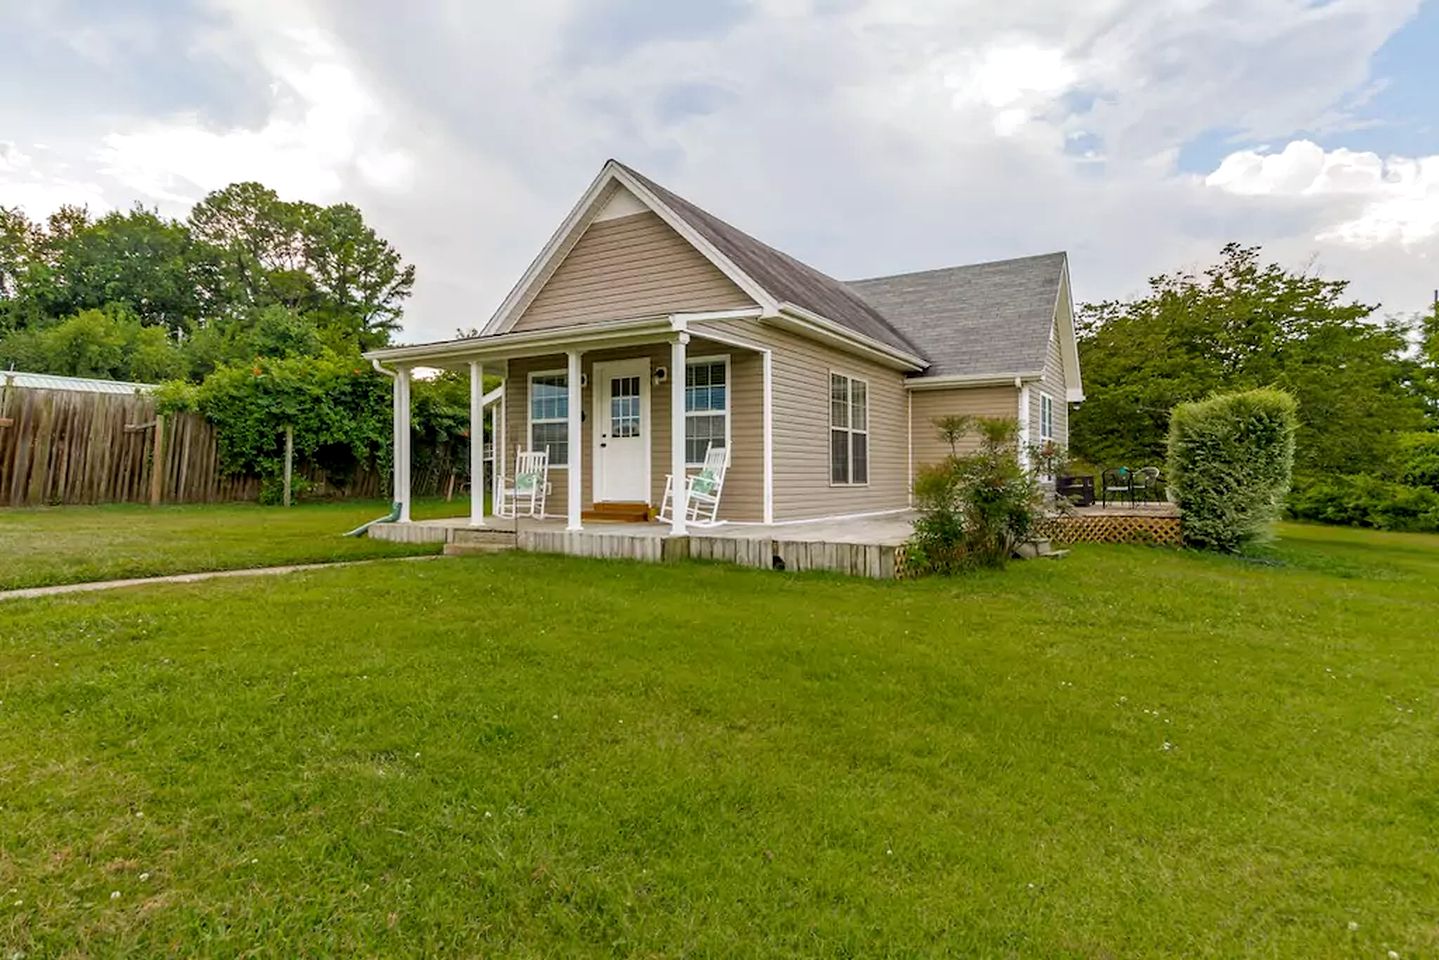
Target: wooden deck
[[865, 546]]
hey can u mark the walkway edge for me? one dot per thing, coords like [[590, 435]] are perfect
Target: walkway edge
[[26, 593]]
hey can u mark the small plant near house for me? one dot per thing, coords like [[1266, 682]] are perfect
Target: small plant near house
[[1230, 460], [953, 429], [976, 507]]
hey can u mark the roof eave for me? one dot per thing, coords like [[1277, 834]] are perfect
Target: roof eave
[[533, 342], [822, 328], [954, 380]]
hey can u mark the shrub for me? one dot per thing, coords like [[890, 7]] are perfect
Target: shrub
[[974, 509], [1365, 501], [1230, 460], [1419, 460]]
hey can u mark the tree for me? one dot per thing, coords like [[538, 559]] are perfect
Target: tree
[[325, 261], [20, 243], [360, 281], [257, 244], [137, 259], [1244, 324], [111, 344]]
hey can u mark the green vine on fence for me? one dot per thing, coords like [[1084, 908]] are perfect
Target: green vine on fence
[[338, 407]]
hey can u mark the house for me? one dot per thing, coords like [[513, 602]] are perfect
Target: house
[[648, 329]]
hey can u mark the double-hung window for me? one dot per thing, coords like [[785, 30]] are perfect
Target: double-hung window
[[706, 408], [848, 430], [550, 415], [1046, 417]]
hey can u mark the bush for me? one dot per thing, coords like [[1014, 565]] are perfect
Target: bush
[[1230, 460], [1364, 501], [974, 509], [1419, 460]]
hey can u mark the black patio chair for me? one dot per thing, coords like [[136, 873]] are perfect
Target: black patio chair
[[1119, 485]]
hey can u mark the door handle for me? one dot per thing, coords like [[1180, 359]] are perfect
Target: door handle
[[603, 445]]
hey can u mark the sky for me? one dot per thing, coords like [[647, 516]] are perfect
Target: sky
[[865, 137]]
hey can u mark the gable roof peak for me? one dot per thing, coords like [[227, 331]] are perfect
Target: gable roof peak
[[785, 279]]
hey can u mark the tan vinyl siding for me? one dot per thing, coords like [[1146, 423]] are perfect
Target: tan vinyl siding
[[743, 495], [1054, 385], [633, 266], [930, 405], [800, 392]]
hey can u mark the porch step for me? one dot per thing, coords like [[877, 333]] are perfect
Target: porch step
[[617, 512], [1042, 547], [474, 549], [486, 539]]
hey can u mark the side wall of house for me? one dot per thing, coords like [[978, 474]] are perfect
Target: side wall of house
[[743, 496], [1054, 386], [926, 406], [800, 370], [632, 266]]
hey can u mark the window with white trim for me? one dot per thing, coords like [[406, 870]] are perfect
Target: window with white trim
[[848, 430], [550, 415], [706, 407], [1046, 417]]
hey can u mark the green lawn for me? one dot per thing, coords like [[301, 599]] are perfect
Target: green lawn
[[1131, 752], [49, 545]]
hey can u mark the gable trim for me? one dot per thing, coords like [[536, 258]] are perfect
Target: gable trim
[[1068, 345], [579, 219]]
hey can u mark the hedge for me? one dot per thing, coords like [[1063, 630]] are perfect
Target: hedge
[[1365, 501], [1230, 460]]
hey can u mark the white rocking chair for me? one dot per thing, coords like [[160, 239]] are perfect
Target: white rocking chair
[[702, 491], [523, 495]]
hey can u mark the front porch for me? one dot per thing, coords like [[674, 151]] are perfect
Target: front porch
[[617, 407]]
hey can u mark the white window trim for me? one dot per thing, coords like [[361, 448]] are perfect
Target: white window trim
[[530, 420], [849, 447], [1046, 417], [728, 404]]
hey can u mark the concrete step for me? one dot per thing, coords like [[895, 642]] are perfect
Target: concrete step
[[1040, 547], [482, 538], [476, 549]]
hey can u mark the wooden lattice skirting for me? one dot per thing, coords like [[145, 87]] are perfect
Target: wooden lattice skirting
[[1110, 529]]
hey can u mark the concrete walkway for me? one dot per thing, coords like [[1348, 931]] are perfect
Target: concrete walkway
[[57, 589]]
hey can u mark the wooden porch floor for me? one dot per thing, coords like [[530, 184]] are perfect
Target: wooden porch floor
[[863, 546]]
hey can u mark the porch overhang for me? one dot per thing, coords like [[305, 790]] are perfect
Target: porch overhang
[[974, 380], [504, 346], [532, 343]]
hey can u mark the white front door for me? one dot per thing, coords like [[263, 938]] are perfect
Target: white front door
[[621, 431]]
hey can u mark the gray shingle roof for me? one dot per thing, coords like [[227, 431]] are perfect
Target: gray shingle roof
[[781, 275], [985, 318]]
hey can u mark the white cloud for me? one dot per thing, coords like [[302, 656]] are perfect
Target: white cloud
[[325, 129], [1397, 197], [864, 137], [1014, 79]]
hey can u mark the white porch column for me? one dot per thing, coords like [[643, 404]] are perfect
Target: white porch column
[[477, 443], [1024, 426], [402, 442], [768, 437], [679, 507], [575, 437]]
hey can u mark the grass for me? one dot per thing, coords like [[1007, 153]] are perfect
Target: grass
[[50, 545], [1130, 752]]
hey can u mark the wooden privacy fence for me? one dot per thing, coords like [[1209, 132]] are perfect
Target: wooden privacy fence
[[64, 447]]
